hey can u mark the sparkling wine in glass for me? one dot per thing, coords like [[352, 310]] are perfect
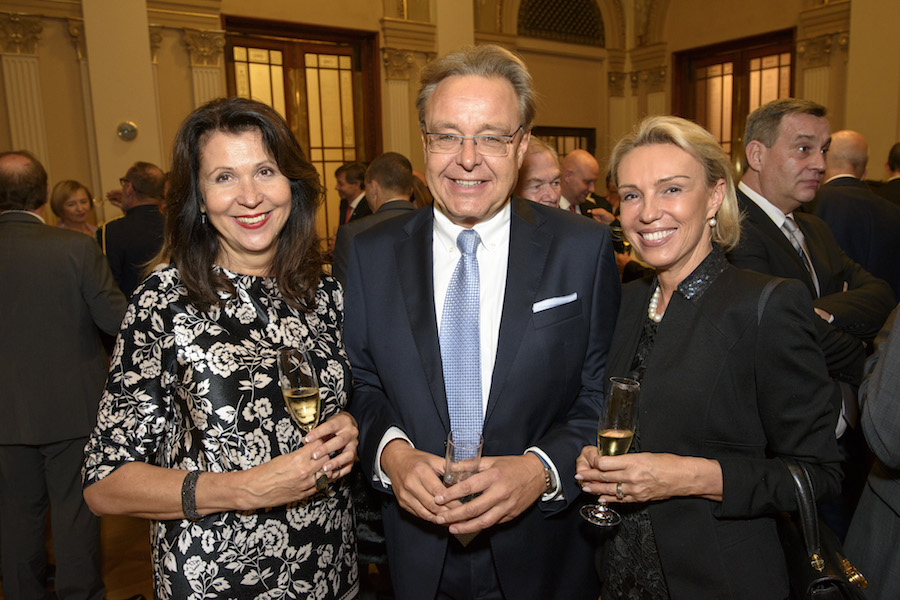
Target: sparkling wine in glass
[[615, 433], [299, 387]]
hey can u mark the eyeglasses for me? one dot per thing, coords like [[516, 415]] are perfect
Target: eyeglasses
[[123, 181], [487, 145]]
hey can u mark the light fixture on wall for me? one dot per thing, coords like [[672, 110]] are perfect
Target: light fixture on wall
[[127, 130]]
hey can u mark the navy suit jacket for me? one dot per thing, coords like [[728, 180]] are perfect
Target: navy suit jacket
[[858, 312], [546, 390], [346, 233], [865, 226]]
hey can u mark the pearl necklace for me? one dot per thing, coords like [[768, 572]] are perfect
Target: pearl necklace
[[651, 308]]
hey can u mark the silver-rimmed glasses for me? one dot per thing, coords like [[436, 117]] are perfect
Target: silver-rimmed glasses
[[487, 144]]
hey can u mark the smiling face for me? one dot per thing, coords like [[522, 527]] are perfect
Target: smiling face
[[247, 198], [76, 207], [470, 188], [539, 179], [790, 172], [665, 206]]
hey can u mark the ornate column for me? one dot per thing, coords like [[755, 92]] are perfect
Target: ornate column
[[207, 63], [821, 71], [649, 78], [408, 45], [397, 67], [76, 33], [19, 35]]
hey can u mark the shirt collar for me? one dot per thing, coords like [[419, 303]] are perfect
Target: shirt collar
[[492, 232], [767, 207], [25, 212], [839, 176], [357, 200]]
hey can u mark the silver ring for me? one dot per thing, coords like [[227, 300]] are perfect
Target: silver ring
[[322, 482], [619, 493]]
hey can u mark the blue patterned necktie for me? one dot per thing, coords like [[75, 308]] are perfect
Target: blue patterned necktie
[[460, 338]]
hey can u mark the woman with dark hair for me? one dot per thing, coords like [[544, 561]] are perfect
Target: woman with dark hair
[[732, 382], [71, 201], [193, 432]]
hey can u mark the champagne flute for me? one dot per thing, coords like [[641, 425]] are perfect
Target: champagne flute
[[614, 435], [299, 387]]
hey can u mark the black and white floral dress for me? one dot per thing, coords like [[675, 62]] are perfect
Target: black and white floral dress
[[198, 390]]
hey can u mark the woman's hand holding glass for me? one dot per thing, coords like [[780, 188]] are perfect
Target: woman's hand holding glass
[[330, 448], [647, 476]]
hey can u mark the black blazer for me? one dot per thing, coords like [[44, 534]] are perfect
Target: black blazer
[[346, 233], [725, 384], [362, 210], [858, 312], [546, 389], [130, 242], [57, 293]]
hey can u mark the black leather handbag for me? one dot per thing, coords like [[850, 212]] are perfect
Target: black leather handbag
[[816, 564]]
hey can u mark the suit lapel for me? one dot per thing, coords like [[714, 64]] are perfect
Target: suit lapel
[[775, 236], [415, 269], [529, 246]]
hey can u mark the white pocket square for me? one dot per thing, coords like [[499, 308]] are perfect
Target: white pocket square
[[553, 302]]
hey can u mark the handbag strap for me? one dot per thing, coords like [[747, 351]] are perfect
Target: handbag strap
[[806, 505]]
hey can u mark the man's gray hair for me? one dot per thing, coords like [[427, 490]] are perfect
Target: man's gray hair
[[485, 61]]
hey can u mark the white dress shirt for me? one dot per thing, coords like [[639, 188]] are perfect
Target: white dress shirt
[[493, 259]]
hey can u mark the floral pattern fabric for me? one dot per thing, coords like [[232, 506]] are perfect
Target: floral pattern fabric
[[190, 390]]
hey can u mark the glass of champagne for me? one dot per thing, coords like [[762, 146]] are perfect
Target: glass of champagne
[[300, 387], [614, 435]]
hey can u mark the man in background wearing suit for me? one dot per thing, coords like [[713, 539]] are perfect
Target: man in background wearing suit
[[539, 174], [890, 189], [352, 190], [786, 144], [131, 241], [579, 171], [865, 224], [473, 312], [57, 291], [389, 184]]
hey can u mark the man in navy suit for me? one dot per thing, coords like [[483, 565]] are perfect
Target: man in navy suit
[[543, 323], [864, 224], [785, 143]]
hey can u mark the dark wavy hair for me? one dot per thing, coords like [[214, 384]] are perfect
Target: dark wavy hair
[[192, 244]]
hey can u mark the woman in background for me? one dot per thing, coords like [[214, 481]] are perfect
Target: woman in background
[[193, 432], [732, 379], [72, 203]]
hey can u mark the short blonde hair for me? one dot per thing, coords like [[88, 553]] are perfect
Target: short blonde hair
[[700, 144], [62, 191]]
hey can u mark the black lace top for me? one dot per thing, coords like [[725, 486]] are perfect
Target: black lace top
[[633, 569]]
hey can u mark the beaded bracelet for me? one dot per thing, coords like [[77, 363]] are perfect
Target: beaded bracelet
[[189, 496]]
